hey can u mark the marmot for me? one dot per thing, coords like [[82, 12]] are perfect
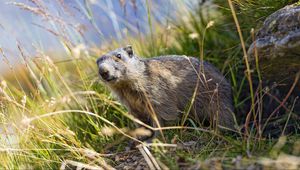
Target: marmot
[[170, 86]]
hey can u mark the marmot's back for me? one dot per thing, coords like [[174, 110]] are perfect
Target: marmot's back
[[172, 82], [169, 86]]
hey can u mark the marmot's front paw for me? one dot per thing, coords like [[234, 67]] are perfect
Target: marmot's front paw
[[143, 135]]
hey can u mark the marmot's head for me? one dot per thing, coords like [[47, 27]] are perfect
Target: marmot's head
[[116, 66]]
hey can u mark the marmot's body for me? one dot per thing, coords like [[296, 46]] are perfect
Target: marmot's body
[[167, 85]]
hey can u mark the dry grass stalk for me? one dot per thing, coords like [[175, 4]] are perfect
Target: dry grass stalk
[[96, 157], [67, 163], [152, 163]]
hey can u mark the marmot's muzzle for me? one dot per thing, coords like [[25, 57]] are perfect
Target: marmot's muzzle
[[104, 73]]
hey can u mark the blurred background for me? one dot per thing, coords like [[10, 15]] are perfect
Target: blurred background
[[85, 24]]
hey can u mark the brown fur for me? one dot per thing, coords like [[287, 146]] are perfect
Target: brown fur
[[166, 86]]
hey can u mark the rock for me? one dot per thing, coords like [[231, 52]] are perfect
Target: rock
[[278, 48], [278, 45]]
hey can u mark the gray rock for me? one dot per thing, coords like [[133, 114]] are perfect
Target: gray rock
[[278, 44]]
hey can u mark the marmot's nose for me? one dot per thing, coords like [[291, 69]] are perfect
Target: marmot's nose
[[104, 73]]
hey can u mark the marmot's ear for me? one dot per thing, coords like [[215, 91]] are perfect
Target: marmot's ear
[[129, 50]]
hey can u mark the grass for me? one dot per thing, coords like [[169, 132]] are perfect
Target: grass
[[57, 114]]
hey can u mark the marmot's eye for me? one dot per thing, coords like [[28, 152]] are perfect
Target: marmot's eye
[[119, 56]]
